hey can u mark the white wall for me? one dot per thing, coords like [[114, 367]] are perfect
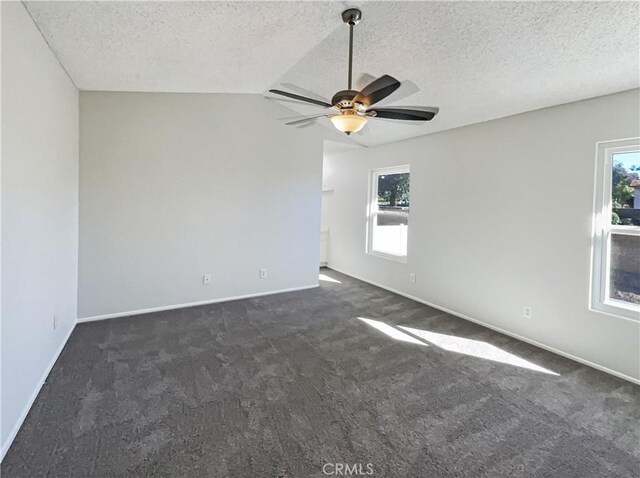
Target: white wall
[[173, 186], [501, 216], [39, 212]]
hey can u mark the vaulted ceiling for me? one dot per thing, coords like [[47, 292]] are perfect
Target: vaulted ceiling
[[475, 60]]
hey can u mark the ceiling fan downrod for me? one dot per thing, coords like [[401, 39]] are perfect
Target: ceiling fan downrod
[[352, 17]]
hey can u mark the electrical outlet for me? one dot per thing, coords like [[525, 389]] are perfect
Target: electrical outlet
[[412, 277], [55, 322], [527, 312], [206, 279], [263, 273]]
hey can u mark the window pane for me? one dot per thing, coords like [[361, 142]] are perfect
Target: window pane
[[625, 189], [625, 268], [390, 233], [393, 191]]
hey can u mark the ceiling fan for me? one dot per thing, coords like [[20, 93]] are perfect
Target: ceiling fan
[[351, 109]]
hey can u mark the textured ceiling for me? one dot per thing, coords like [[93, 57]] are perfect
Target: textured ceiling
[[475, 60]]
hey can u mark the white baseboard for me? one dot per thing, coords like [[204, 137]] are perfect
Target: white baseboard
[[497, 329], [34, 395], [192, 304], [7, 444]]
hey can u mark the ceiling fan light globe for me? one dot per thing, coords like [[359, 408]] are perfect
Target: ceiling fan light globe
[[349, 123]]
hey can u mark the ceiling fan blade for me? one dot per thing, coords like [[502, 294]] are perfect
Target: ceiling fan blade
[[410, 114], [305, 119], [378, 90], [301, 98]]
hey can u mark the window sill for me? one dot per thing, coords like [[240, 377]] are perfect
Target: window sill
[[618, 309], [391, 257]]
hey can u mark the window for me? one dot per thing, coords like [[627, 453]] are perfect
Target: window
[[389, 213], [616, 251]]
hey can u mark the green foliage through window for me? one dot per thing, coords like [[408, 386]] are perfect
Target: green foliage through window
[[393, 190], [621, 190]]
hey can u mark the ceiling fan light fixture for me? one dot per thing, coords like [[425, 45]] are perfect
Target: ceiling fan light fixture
[[349, 121]]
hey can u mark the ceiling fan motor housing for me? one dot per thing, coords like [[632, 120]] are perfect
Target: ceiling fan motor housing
[[344, 100]]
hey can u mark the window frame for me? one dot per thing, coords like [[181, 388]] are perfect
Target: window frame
[[600, 300], [372, 210]]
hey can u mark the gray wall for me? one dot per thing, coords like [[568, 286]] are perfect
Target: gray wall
[[478, 258], [173, 186], [39, 212]]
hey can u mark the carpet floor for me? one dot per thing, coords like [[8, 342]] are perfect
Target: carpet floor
[[341, 380]]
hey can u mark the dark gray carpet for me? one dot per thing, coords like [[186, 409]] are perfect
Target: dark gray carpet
[[279, 386]]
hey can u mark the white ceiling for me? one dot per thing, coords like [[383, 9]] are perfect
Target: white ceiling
[[475, 60]]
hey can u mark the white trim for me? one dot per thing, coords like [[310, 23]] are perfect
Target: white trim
[[400, 169], [191, 304], [599, 297], [7, 444], [25, 411], [386, 255], [497, 329]]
